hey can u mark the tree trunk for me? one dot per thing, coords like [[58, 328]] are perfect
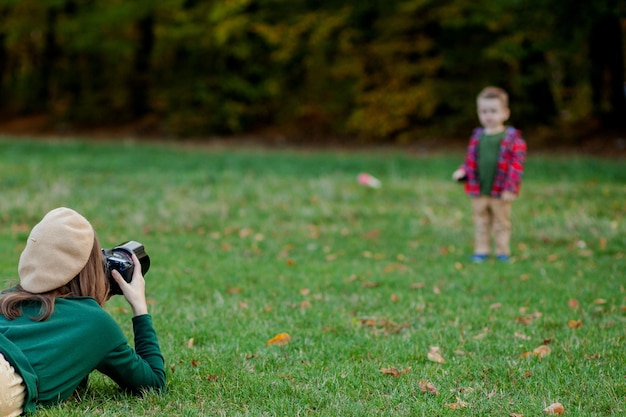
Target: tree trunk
[[139, 79], [48, 59], [606, 52]]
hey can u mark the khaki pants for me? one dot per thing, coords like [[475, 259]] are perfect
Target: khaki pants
[[491, 215], [12, 390]]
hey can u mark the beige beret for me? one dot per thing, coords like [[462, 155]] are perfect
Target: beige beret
[[57, 249]]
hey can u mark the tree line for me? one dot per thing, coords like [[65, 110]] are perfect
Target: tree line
[[377, 70]]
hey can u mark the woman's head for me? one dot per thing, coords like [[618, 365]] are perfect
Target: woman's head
[[57, 249], [62, 258]]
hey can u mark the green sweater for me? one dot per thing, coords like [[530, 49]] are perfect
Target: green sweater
[[55, 356], [488, 151]]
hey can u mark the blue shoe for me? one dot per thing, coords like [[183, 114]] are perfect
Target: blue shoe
[[479, 257], [503, 258]]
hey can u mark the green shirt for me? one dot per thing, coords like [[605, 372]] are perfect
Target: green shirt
[[57, 355], [488, 151]]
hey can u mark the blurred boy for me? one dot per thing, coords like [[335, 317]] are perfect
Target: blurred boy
[[492, 173]]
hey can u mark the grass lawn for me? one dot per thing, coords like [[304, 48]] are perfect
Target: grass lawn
[[385, 313]]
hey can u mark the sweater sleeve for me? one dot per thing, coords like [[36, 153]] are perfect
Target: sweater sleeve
[[516, 163], [139, 368]]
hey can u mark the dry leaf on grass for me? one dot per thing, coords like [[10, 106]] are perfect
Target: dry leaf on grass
[[540, 351], [554, 409], [575, 324], [426, 386], [573, 303], [457, 405], [280, 339], [529, 318], [395, 372], [434, 355], [521, 336]]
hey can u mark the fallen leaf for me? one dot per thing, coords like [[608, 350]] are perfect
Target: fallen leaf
[[573, 303], [482, 334], [426, 386], [372, 234], [553, 409], [495, 306], [190, 343], [529, 318], [280, 339], [394, 298], [418, 285], [434, 355], [457, 405], [212, 377], [21, 227], [383, 324], [521, 336], [305, 291], [575, 324], [305, 304], [516, 415], [395, 372], [599, 301], [394, 267], [542, 351]]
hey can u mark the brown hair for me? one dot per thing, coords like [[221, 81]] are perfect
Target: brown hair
[[91, 281], [495, 92]]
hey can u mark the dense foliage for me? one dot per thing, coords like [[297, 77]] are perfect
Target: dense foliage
[[379, 70]]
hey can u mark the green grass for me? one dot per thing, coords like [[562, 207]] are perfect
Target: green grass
[[246, 244]]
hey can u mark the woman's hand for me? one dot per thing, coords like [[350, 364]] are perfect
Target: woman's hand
[[135, 290]]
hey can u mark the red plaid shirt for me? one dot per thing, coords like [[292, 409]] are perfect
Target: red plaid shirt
[[510, 163]]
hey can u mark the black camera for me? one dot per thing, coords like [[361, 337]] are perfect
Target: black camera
[[120, 259]]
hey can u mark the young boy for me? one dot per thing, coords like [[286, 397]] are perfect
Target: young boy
[[492, 173]]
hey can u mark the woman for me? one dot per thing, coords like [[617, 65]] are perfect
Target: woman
[[53, 329]]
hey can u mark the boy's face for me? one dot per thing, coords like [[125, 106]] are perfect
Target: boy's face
[[492, 114]]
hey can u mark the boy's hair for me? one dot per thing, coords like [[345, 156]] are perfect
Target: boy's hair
[[495, 92]]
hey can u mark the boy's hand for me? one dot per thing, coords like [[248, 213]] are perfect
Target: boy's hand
[[508, 196], [459, 174]]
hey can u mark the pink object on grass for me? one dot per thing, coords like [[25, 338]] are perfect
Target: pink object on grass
[[368, 180]]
